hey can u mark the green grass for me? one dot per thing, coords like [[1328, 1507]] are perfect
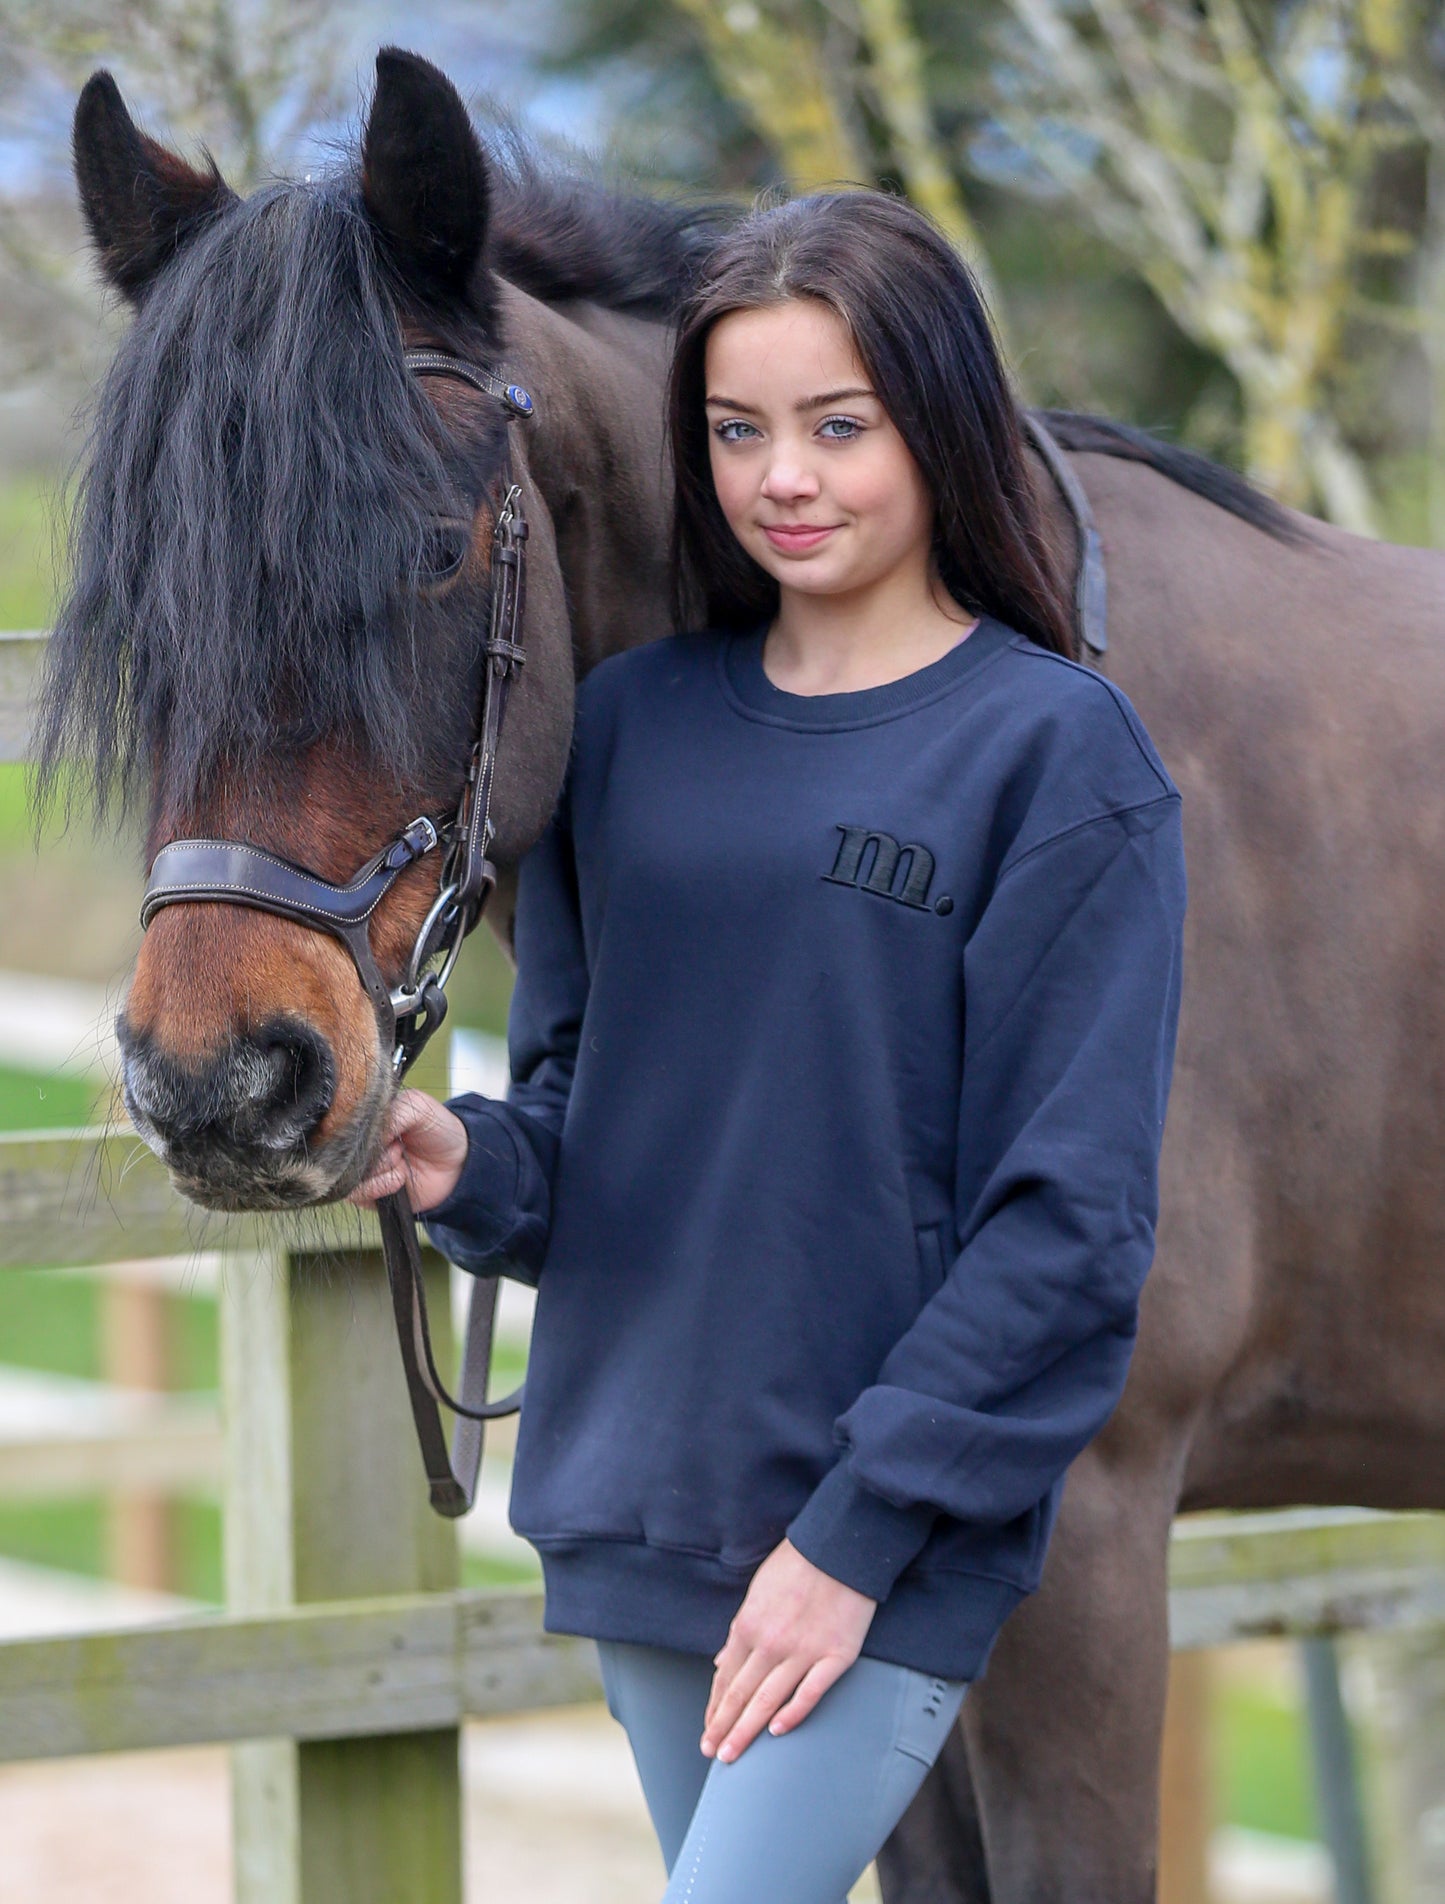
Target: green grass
[[55, 1323], [15, 834], [33, 1100], [50, 1322], [1262, 1774], [480, 1570], [17, 824], [71, 1536], [26, 574]]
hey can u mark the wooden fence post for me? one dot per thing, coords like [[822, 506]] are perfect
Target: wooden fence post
[[140, 1522], [325, 1464], [1407, 1728], [1186, 1799], [260, 1565]]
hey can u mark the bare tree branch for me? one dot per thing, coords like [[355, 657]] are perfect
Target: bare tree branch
[[249, 81], [1240, 196], [896, 69], [774, 70]]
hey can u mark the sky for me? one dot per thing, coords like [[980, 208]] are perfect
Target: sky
[[486, 48]]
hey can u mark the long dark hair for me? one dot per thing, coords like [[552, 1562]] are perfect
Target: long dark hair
[[922, 332]]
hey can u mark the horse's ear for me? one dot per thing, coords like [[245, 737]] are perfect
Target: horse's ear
[[141, 200], [424, 176]]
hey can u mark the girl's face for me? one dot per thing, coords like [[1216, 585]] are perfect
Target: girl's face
[[810, 472]]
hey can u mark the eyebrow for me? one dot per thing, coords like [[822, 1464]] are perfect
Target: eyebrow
[[807, 403]]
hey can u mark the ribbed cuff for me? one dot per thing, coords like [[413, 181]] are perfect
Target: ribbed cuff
[[857, 1536], [470, 1226]]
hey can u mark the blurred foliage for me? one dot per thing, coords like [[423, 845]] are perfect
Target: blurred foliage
[[481, 986], [1255, 168], [14, 808], [1212, 217], [1084, 332]]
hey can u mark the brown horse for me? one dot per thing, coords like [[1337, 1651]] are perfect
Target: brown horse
[[264, 642]]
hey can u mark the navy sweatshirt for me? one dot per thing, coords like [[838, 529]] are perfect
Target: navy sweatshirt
[[841, 1043]]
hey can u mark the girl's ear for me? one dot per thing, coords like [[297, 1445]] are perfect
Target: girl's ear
[[141, 201], [424, 176]]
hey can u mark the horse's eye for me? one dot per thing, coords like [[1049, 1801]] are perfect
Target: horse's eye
[[443, 552]]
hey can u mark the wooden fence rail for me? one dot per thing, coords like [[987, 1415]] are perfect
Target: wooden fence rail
[[413, 1662]]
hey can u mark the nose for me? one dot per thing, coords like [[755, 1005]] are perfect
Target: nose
[[788, 478], [264, 1091]]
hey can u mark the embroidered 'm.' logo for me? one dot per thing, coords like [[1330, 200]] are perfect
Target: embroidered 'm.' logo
[[888, 861]]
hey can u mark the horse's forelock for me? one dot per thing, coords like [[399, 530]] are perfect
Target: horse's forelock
[[260, 478]]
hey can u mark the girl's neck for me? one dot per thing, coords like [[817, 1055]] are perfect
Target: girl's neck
[[836, 644]]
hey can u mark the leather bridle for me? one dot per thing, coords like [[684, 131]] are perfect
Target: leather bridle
[[233, 872]]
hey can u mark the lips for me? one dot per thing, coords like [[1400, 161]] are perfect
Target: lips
[[797, 536]]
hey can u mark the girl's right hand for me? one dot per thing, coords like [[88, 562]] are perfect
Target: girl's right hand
[[423, 1153]]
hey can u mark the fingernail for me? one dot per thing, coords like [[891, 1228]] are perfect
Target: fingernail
[[727, 1755], [705, 1749]]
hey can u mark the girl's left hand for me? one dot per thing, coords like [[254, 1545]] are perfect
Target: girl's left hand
[[797, 1631]]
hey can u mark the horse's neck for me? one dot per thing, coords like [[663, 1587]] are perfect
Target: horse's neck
[[595, 452]]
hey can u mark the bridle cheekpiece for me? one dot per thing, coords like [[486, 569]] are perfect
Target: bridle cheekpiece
[[233, 872]]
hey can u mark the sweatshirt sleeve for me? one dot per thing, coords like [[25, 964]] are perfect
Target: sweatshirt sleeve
[[497, 1219], [1071, 987]]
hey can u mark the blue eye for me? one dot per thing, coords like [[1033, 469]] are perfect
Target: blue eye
[[725, 429], [847, 427]]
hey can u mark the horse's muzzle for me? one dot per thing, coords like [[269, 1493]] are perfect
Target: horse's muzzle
[[234, 1125]]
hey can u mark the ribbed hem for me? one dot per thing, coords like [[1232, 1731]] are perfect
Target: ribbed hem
[[941, 1623], [857, 1536]]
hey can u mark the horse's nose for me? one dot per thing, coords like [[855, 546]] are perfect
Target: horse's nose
[[265, 1090]]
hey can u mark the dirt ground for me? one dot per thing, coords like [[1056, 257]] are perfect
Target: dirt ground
[[553, 1816]]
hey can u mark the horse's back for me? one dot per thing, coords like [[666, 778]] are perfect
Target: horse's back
[[1296, 692]]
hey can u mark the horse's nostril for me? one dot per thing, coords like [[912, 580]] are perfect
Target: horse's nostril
[[293, 1082], [268, 1090]]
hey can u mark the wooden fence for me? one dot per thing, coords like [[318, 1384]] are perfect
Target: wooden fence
[[348, 1655]]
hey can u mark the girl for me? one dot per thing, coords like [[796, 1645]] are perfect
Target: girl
[[847, 982]]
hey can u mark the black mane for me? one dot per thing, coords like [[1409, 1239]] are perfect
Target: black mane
[[1225, 488], [262, 477], [562, 234]]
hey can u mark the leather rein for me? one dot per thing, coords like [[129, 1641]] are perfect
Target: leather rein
[[232, 872]]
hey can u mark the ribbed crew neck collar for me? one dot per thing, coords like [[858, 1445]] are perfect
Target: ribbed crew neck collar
[[746, 685]]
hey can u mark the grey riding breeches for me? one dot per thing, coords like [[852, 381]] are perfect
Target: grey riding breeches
[[792, 1820]]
